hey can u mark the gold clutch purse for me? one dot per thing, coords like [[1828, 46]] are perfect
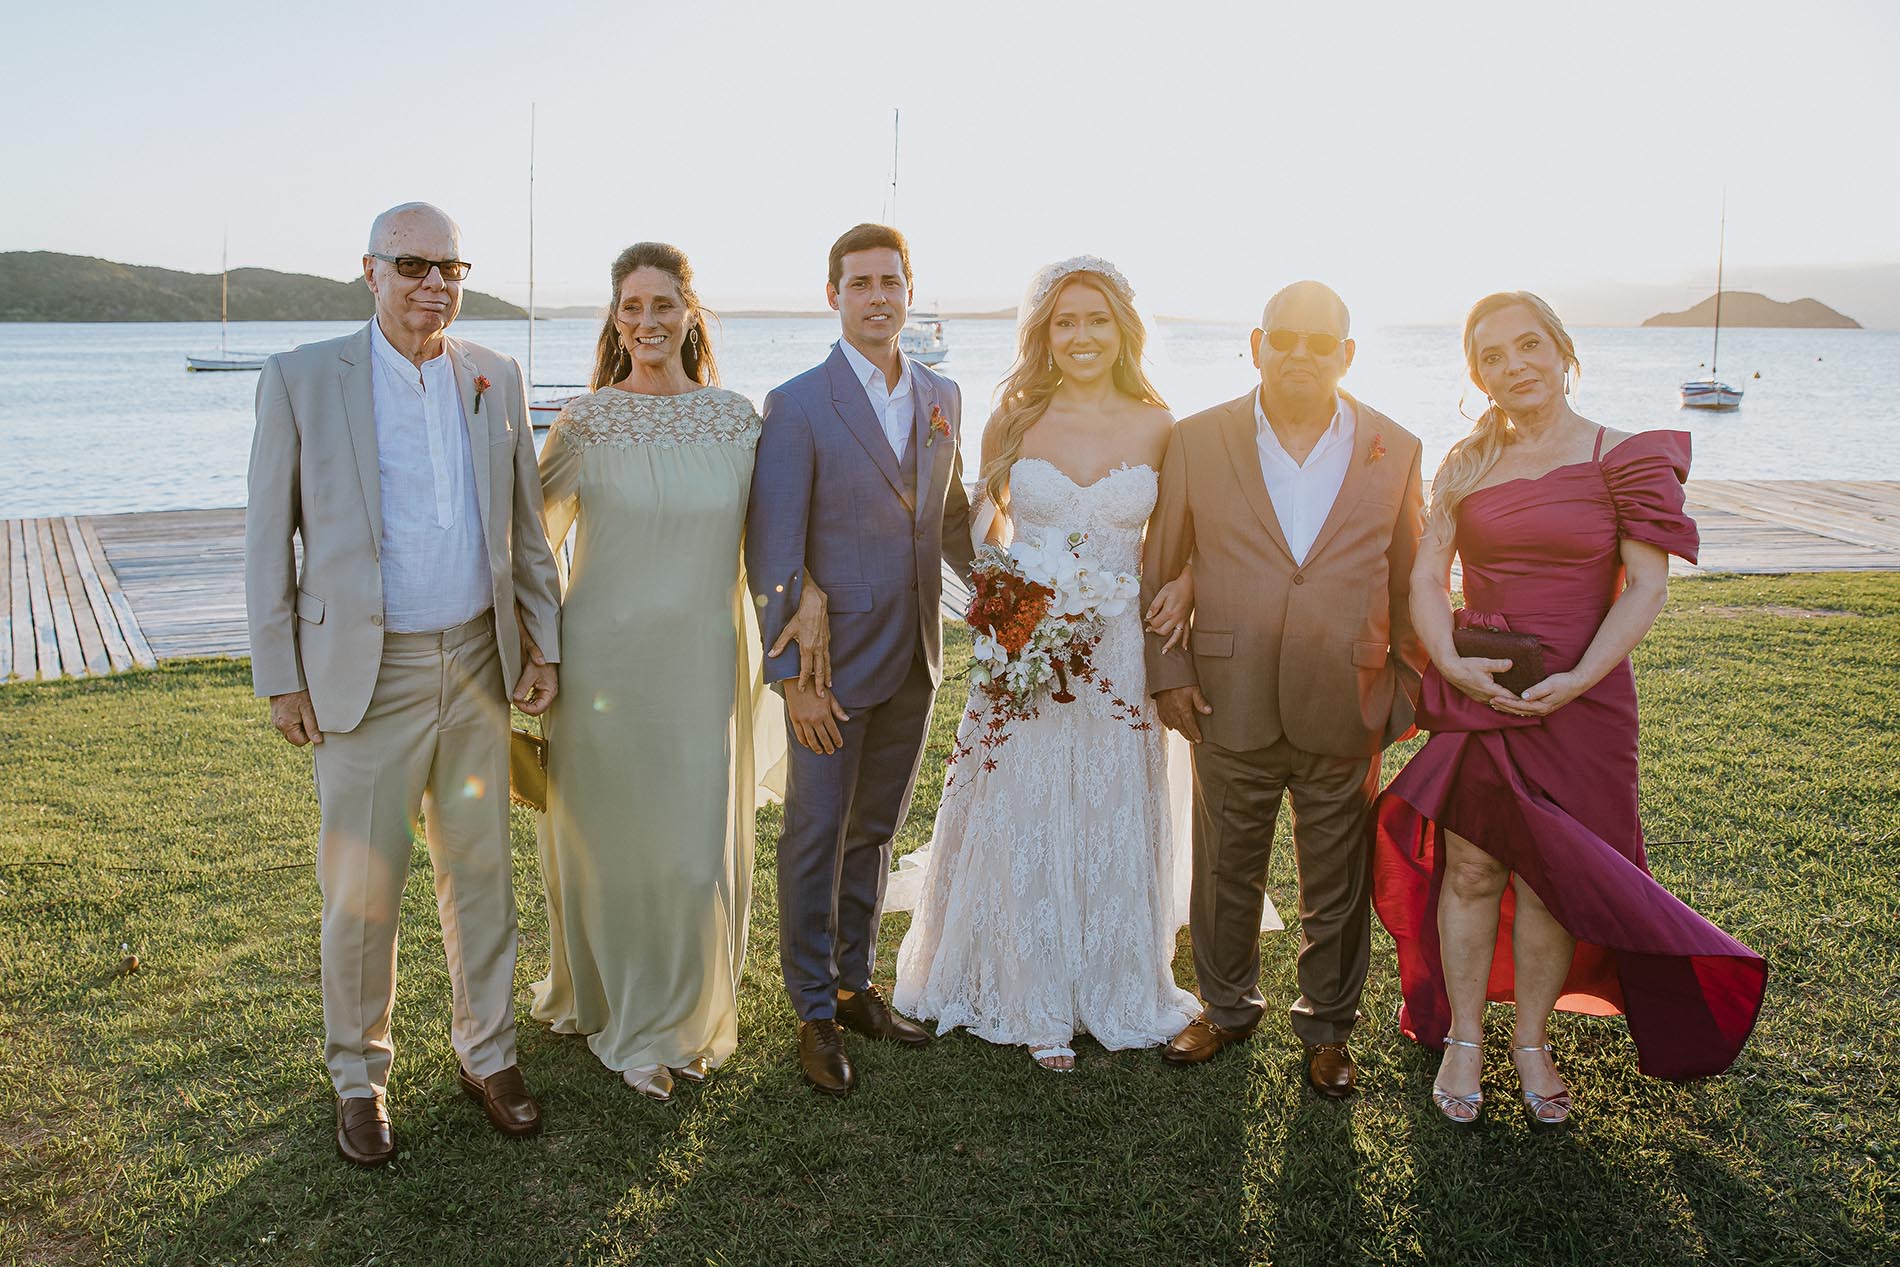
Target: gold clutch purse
[[528, 769]]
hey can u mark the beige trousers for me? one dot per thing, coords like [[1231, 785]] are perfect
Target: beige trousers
[[435, 739], [1236, 803]]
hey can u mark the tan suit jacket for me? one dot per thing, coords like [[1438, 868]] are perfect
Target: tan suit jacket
[[314, 475], [1320, 653]]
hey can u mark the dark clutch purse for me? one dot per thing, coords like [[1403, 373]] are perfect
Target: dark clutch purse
[[1526, 654], [528, 769]]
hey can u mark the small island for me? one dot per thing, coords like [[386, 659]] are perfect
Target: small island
[[1746, 308], [48, 286]]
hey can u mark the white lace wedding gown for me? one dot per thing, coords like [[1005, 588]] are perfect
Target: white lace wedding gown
[[1049, 903]]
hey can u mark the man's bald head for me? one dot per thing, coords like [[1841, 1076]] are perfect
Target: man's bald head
[[1302, 348], [396, 231], [1313, 307], [414, 311]]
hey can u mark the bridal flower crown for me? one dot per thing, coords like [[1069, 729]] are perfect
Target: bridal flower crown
[[1050, 276]]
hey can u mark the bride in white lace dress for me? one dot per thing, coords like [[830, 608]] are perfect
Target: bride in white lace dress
[[1048, 905]]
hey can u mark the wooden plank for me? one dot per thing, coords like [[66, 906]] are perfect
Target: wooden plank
[[121, 606], [6, 599], [72, 659], [45, 637], [94, 662], [118, 652], [20, 615], [1809, 506]]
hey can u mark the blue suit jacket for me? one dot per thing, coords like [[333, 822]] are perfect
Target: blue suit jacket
[[829, 500]]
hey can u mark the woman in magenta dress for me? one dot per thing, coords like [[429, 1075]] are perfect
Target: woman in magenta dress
[[1509, 858]]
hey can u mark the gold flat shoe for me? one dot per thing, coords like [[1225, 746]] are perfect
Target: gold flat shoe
[[694, 1070], [652, 1081]]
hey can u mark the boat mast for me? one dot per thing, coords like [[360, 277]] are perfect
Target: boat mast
[[531, 250], [224, 290], [895, 116], [1721, 244]]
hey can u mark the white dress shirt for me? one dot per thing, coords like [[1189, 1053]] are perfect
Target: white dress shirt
[[1303, 493], [892, 408], [434, 560]]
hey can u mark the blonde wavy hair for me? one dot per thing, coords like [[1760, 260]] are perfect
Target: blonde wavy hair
[[1472, 458], [1024, 395]]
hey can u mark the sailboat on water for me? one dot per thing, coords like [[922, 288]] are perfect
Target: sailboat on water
[[922, 339], [1712, 392], [542, 411], [226, 359]]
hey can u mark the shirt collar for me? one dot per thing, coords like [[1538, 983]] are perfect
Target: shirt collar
[[862, 367], [1335, 430], [386, 353]]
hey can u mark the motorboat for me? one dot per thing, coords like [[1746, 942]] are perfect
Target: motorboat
[[922, 339]]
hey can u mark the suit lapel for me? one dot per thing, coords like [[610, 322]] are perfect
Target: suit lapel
[[477, 425], [1243, 450], [923, 396], [854, 409], [1364, 428], [359, 409]]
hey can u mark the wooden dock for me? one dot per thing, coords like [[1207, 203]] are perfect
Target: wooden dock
[[87, 595]]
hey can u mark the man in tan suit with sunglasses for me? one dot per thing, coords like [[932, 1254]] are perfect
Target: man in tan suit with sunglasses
[[1299, 508], [404, 461]]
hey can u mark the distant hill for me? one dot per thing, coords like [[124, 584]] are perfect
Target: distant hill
[[47, 286], [1746, 308]]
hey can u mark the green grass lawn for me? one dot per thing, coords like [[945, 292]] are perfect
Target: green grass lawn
[[181, 1113]]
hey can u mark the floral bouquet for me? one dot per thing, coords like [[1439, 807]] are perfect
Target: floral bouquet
[[1036, 615]]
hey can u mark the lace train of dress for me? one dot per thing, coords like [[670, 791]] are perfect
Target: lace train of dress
[[1052, 895]]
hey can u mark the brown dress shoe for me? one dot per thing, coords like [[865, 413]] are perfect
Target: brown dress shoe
[[504, 1097], [1202, 1040], [1329, 1069], [822, 1059], [868, 1014], [363, 1137]]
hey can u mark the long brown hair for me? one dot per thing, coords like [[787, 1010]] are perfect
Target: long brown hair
[[1471, 459], [612, 361], [1033, 379]]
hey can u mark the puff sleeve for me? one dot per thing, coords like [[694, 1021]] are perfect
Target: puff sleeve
[[1645, 475]]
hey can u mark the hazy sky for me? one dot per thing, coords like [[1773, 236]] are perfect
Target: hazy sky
[[1415, 155]]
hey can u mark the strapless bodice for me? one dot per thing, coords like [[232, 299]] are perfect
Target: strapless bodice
[[1113, 510]]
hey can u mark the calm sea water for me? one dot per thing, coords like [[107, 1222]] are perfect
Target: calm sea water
[[102, 418]]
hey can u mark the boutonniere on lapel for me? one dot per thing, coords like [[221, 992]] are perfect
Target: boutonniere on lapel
[[1376, 449], [481, 385], [939, 426]]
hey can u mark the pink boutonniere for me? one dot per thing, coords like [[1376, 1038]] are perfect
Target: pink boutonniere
[[1377, 448], [939, 426], [481, 385]]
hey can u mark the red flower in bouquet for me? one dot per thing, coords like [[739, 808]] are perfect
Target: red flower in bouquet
[[481, 385], [1008, 608]]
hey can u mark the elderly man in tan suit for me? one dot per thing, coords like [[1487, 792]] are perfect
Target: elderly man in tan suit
[[1299, 508], [404, 460]]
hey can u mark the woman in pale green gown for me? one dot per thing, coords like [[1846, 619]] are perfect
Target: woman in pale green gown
[[662, 738]]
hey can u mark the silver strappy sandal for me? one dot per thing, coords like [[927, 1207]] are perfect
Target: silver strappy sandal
[[1544, 1112], [1453, 1108]]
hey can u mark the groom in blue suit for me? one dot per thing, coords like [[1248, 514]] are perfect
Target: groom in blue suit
[[857, 486]]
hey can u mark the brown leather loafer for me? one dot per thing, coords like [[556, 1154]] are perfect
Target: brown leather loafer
[[868, 1014], [504, 1097], [363, 1137], [1329, 1070], [1202, 1040], [822, 1059]]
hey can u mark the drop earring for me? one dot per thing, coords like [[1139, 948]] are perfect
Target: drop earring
[[1052, 363]]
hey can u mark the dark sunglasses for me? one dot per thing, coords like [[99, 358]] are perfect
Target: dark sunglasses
[[1317, 344], [416, 266]]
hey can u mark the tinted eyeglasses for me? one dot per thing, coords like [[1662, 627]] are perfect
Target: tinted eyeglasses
[[416, 266], [1317, 344]]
